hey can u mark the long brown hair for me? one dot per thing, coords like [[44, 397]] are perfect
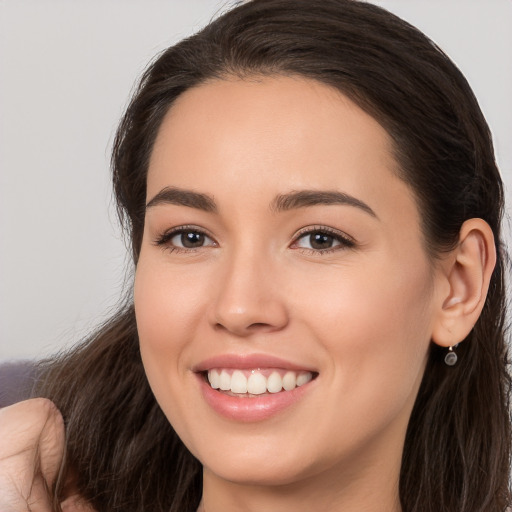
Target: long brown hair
[[123, 451]]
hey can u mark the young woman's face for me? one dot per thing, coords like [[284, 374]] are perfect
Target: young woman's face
[[282, 255]]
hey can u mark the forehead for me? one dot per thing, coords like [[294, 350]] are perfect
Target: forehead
[[273, 135]]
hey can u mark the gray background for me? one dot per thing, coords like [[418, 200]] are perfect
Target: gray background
[[67, 68]]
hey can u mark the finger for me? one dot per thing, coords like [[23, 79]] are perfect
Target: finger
[[31, 448], [21, 424], [39, 499], [76, 504], [51, 444]]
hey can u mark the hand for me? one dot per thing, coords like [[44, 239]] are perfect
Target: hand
[[31, 449]]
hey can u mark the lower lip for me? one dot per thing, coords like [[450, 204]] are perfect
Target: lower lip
[[251, 409]]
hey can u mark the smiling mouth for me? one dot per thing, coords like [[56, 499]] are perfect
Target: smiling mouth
[[256, 382]]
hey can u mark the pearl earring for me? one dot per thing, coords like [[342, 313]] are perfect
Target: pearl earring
[[450, 359]]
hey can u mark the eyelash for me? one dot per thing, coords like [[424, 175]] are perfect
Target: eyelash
[[345, 242], [164, 239]]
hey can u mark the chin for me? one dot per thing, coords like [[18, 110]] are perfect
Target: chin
[[258, 473]]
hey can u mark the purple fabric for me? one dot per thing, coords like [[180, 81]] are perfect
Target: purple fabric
[[17, 379]]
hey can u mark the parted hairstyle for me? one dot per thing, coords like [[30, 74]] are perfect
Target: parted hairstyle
[[121, 450]]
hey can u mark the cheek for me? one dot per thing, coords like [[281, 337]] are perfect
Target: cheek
[[374, 327], [167, 305], [167, 311]]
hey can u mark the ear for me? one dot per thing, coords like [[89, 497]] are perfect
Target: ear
[[467, 272]]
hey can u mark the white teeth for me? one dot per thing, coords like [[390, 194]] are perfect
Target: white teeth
[[274, 383], [304, 378], [256, 383], [214, 378], [289, 381], [238, 382], [225, 381]]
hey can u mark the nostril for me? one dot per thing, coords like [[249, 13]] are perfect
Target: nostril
[[259, 325], [242, 329]]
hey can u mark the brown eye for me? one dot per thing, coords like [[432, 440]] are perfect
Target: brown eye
[[318, 241], [189, 239], [192, 239], [321, 241]]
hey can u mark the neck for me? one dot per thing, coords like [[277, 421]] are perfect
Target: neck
[[373, 489]]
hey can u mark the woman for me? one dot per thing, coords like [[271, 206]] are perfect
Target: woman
[[318, 308]]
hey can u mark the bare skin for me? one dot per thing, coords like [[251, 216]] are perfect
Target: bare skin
[[359, 309], [362, 315], [31, 449]]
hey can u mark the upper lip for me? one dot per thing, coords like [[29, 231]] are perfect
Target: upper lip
[[248, 362]]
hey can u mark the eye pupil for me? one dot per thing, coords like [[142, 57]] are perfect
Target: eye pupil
[[191, 239], [320, 241]]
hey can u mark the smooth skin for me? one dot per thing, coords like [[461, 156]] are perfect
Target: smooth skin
[[361, 308], [361, 313]]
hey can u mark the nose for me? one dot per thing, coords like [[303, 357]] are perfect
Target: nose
[[249, 298]]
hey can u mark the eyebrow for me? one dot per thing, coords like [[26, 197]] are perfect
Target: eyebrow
[[282, 202], [183, 197], [304, 198]]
